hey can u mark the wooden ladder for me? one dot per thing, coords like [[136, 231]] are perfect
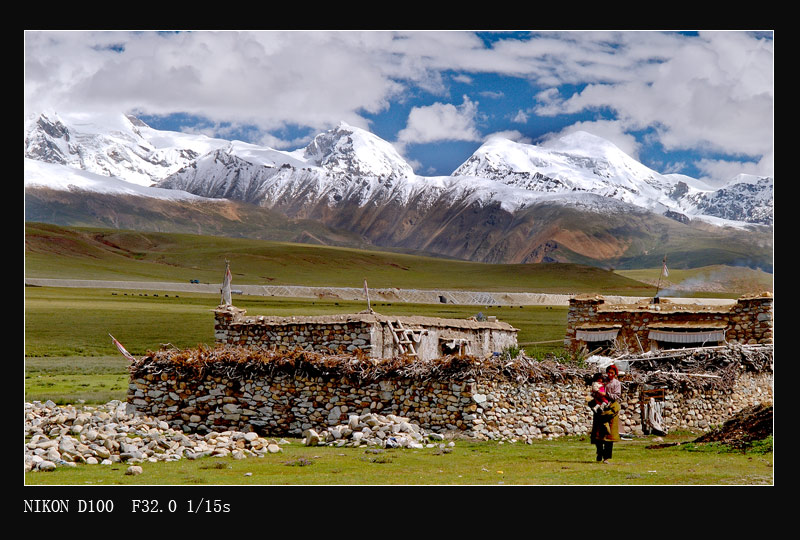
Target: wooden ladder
[[404, 338]]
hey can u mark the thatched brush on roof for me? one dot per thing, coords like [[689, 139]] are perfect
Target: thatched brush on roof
[[709, 368]]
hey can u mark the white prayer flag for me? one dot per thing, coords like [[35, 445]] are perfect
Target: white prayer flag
[[122, 349], [226, 286]]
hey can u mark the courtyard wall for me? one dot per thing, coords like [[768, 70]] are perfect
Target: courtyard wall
[[481, 399]]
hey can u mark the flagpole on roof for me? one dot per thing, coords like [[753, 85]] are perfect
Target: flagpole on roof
[[366, 293], [226, 286], [664, 272]]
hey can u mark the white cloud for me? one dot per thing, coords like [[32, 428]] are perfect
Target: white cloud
[[716, 170], [491, 94], [520, 118], [711, 91], [441, 122], [262, 78]]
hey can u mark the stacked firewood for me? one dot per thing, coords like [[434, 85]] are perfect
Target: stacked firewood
[[242, 362], [701, 367]]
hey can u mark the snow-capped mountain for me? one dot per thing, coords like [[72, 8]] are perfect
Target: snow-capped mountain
[[119, 146], [345, 163], [744, 198], [58, 177], [581, 162], [348, 163], [577, 162], [491, 208]]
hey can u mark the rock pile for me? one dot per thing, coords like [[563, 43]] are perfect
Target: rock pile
[[372, 429], [66, 436]]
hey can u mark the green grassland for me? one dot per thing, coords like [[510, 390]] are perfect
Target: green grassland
[[68, 348], [63, 322], [105, 254], [70, 358], [563, 461], [109, 254]]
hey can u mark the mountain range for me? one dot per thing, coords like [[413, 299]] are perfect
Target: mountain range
[[576, 199]]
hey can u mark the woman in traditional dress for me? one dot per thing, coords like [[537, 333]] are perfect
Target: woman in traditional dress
[[605, 424]]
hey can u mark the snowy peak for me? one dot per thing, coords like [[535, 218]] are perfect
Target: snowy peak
[[117, 146], [582, 162], [744, 198], [587, 144], [349, 165], [47, 139], [353, 151]]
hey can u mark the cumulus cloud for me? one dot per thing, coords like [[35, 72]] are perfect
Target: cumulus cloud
[[715, 170], [264, 78], [441, 122], [521, 117], [713, 90]]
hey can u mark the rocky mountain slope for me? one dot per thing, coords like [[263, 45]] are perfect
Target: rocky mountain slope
[[578, 199]]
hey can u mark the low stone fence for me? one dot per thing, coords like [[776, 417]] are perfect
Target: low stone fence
[[284, 394]]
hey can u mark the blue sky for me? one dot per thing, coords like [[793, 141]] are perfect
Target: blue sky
[[697, 103]]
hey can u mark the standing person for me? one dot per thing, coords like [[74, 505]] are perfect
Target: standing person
[[605, 424], [613, 386]]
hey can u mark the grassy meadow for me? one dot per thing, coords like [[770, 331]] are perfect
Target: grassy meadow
[[104, 254], [69, 354], [69, 357], [563, 461]]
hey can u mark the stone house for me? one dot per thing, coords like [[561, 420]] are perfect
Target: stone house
[[374, 335], [661, 324]]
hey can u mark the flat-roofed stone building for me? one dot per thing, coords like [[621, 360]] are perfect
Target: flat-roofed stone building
[[375, 335], [662, 324]]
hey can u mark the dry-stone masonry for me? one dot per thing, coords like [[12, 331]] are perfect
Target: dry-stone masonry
[[276, 394], [658, 323], [369, 333]]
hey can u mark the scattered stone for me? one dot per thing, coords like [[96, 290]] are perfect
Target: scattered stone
[[45, 465], [134, 470], [373, 430], [113, 433]]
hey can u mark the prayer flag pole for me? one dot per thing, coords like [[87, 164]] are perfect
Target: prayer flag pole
[[226, 286], [664, 272], [366, 293]]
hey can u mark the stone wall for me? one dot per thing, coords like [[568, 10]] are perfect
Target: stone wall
[[748, 321], [286, 403], [321, 334]]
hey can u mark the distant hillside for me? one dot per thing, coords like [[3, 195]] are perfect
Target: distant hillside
[[709, 279], [578, 200], [108, 254], [204, 217]]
